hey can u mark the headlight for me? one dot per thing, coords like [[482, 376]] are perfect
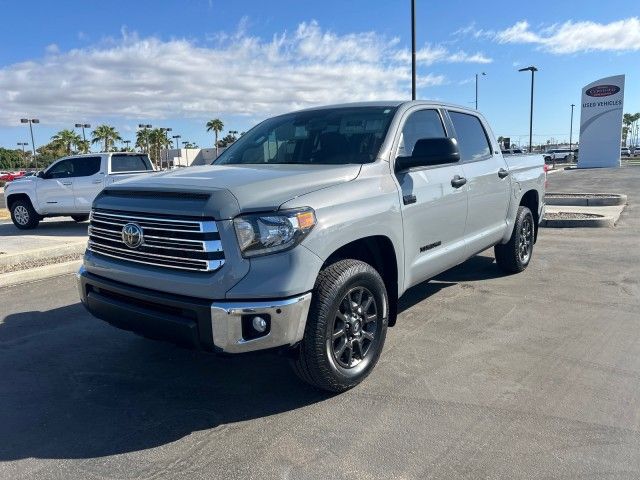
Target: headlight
[[262, 233]]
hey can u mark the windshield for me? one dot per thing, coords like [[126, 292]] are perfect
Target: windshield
[[332, 136]]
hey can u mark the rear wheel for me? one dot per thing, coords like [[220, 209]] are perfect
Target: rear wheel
[[346, 327], [515, 255], [23, 215], [80, 218]]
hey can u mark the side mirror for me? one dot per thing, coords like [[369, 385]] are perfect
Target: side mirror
[[430, 151], [40, 174]]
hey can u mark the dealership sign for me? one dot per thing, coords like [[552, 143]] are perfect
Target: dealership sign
[[601, 123]]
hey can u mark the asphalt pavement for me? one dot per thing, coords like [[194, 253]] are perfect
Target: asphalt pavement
[[535, 375]]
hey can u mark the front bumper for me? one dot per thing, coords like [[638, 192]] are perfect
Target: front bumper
[[193, 322]]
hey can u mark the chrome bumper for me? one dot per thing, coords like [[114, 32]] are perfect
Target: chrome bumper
[[288, 321]]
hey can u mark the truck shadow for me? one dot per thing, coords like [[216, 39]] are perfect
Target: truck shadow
[[73, 387], [49, 228]]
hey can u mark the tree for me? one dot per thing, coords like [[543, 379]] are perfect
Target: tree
[[216, 126], [143, 140], [226, 141], [66, 139], [106, 134], [157, 141], [83, 146]]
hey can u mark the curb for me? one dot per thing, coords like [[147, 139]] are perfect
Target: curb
[[44, 252], [583, 199], [39, 273]]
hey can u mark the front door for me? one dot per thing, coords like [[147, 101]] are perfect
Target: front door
[[434, 211], [88, 182], [55, 188]]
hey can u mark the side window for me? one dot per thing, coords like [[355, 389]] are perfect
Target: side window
[[86, 166], [472, 139], [130, 163], [62, 169], [420, 124]]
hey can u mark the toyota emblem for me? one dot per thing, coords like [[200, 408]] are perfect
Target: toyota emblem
[[132, 235]]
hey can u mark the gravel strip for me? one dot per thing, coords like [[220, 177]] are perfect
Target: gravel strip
[[582, 195], [570, 216], [41, 262]]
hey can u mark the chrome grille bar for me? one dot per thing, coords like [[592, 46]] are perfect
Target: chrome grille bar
[[200, 250]]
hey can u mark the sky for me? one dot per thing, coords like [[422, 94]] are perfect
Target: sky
[[180, 63]]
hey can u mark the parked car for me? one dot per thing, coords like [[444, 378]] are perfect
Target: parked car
[[512, 151], [69, 186], [559, 155], [10, 176], [625, 152], [306, 231]]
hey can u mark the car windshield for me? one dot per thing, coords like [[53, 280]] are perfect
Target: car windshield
[[331, 136]]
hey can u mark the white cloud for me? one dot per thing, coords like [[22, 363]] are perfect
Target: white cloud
[[573, 37], [237, 74], [430, 54]]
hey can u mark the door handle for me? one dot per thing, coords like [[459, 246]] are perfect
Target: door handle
[[409, 199], [67, 183], [100, 180], [503, 173], [458, 181]]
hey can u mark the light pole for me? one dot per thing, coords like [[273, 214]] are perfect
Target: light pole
[[176, 137], [413, 49], [571, 132], [83, 126], [533, 70], [186, 145], [166, 131], [126, 142], [31, 121], [483, 74], [24, 155]]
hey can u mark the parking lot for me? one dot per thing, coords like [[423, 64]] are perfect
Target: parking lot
[[485, 375]]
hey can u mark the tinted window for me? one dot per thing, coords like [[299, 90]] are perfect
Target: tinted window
[[420, 124], [130, 163], [62, 169], [326, 136], [86, 166], [472, 139]]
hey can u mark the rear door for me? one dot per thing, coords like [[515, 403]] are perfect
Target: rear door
[[433, 210], [488, 182], [55, 189], [88, 181]]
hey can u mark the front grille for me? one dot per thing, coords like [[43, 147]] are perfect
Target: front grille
[[168, 241]]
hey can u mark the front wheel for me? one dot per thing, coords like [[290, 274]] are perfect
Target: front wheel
[[515, 255], [346, 327], [23, 215]]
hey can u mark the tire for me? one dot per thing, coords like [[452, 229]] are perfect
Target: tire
[[515, 255], [336, 327], [80, 218], [23, 215]]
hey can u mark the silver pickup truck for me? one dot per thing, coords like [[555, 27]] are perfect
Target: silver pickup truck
[[305, 232]]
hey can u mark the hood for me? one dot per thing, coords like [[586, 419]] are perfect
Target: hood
[[255, 187]]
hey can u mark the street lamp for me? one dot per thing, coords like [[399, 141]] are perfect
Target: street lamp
[[483, 74], [24, 155], [83, 126], [571, 132], [145, 126], [176, 137], [533, 70], [31, 121], [166, 131], [413, 49], [126, 142]]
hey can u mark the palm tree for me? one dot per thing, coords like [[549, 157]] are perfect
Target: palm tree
[[107, 134], [66, 139], [143, 139], [157, 141], [83, 145], [216, 125]]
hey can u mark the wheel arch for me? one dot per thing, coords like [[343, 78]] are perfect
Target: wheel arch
[[379, 252], [14, 197], [531, 200]]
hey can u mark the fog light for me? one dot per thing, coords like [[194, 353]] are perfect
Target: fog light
[[259, 324]]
